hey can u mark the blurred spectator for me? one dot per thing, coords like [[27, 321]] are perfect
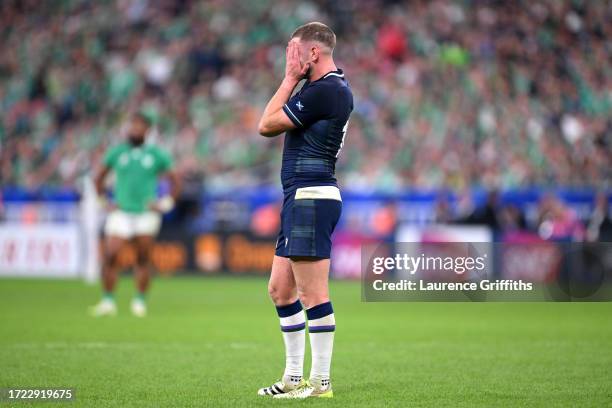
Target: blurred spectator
[[443, 211], [487, 214], [448, 93], [557, 222], [600, 224], [511, 219]]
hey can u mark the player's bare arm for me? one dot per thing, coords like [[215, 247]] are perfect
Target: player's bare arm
[[99, 182], [274, 120], [166, 203], [175, 183], [100, 178]]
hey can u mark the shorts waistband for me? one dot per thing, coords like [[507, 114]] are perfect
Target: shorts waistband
[[318, 192]]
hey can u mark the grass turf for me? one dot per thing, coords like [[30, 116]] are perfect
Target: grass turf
[[213, 341]]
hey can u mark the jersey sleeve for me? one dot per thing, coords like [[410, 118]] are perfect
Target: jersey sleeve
[[110, 157], [164, 161], [313, 104]]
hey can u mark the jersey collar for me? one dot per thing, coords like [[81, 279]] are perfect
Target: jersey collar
[[338, 73]]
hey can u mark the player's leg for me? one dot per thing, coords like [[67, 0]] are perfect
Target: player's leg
[[309, 251], [146, 229], [110, 272], [116, 231], [311, 276], [110, 269], [312, 280], [283, 292], [281, 286], [142, 273]]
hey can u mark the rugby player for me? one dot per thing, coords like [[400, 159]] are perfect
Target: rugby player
[[135, 214], [315, 120]]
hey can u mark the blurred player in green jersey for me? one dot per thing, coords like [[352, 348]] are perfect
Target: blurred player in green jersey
[[135, 213]]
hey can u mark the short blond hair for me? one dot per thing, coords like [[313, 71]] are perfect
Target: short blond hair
[[318, 32]]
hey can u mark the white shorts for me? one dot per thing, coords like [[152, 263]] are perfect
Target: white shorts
[[128, 225]]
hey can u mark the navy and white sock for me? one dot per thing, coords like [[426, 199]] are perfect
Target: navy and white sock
[[293, 325], [321, 328]]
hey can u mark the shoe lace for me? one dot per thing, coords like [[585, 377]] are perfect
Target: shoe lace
[[300, 389]]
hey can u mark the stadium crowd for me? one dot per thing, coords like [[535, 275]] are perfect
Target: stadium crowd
[[448, 93]]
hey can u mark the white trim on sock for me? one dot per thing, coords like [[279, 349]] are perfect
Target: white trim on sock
[[328, 320], [292, 320]]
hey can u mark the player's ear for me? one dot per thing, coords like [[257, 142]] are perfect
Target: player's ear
[[314, 53]]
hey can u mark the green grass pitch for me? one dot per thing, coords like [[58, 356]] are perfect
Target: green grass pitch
[[213, 341]]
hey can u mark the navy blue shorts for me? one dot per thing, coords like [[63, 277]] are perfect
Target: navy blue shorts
[[307, 226]]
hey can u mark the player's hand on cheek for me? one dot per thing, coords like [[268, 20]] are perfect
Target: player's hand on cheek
[[293, 68]]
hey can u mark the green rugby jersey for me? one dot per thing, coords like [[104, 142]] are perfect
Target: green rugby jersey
[[136, 172]]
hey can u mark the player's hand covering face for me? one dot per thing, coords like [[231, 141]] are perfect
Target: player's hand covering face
[[294, 67]]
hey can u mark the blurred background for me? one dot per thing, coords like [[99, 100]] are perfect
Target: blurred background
[[483, 121]]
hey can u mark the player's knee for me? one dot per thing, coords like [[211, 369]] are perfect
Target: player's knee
[[111, 256], [274, 293], [279, 295], [142, 257]]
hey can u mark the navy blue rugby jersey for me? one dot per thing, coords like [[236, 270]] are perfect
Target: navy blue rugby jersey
[[320, 112]]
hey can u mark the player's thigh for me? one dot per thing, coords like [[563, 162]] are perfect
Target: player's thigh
[[282, 286], [144, 242], [144, 246], [312, 279], [112, 246]]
